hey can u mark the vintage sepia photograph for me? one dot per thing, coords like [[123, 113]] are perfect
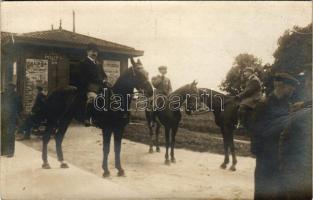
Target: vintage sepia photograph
[[156, 100]]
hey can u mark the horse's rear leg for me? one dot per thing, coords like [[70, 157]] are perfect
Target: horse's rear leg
[[233, 153], [226, 145], [45, 141], [118, 135], [157, 132], [167, 144]]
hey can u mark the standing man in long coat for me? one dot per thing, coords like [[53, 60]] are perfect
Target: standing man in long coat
[[268, 121], [11, 108]]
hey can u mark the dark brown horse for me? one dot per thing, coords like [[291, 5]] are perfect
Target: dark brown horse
[[63, 105], [168, 112], [157, 127], [225, 112]]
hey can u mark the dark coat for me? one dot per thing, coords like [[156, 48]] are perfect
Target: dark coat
[[92, 76], [40, 103], [269, 120], [252, 92]]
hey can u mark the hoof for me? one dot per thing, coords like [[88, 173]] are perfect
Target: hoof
[[173, 160], [232, 168], [46, 166], [106, 174], [64, 165], [121, 173], [158, 149], [167, 162], [150, 150], [223, 166]]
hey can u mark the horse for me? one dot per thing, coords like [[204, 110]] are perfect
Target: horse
[[115, 113], [158, 125], [63, 105], [224, 109], [168, 113]]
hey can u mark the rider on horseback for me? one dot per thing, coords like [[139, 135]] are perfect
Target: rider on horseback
[[162, 86], [93, 78], [251, 94]]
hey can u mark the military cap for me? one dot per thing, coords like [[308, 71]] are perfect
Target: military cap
[[39, 88], [162, 67], [92, 46], [286, 78], [248, 69]]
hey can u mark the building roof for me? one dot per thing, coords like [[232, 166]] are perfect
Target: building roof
[[68, 39]]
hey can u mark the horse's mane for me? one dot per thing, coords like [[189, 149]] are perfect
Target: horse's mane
[[180, 90]]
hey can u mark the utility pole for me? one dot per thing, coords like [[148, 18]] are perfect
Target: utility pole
[[73, 21]]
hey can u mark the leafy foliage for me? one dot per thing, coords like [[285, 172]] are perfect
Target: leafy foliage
[[294, 52]]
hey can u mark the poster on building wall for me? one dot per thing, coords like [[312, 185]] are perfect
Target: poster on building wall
[[112, 70], [36, 74]]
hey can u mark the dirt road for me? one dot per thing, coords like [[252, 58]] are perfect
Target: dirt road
[[195, 175]]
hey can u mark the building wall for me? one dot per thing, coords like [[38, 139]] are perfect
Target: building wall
[[57, 71], [58, 67]]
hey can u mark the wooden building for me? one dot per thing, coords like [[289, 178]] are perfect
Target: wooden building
[[50, 58]]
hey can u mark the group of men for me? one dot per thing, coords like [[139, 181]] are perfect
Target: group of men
[[280, 128], [268, 118]]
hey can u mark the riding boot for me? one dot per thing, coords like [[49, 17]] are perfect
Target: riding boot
[[88, 121], [152, 119], [242, 114]]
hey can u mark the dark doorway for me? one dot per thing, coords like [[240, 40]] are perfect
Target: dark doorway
[[75, 78]]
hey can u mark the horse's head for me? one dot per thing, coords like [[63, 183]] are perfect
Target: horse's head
[[192, 98], [140, 78], [189, 94]]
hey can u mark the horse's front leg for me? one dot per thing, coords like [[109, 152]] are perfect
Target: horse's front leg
[[106, 135], [167, 144], [157, 132], [59, 136], [151, 137], [226, 153], [233, 153], [174, 131], [45, 141], [118, 135]]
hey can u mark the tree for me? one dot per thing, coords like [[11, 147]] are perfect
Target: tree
[[294, 56], [294, 52], [232, 83]]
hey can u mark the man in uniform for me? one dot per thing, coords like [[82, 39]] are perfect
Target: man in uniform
[[251, 94], [267, 123], [161, 83], [162, 86], [93, 78], [11, 108], [36, 117]]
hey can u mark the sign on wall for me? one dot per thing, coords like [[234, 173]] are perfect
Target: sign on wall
[[36, 74], [112, 69]]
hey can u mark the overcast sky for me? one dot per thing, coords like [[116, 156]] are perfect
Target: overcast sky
[[196, 40]]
